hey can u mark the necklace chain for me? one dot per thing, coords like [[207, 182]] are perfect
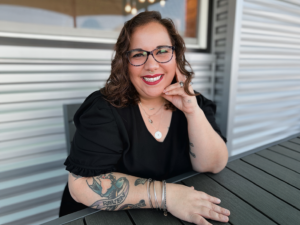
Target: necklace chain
[[152, 114], [157, 130]]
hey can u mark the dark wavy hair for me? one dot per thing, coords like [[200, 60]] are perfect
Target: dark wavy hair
[[118, 90]]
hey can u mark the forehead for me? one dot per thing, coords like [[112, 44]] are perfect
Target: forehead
[[149, 36]]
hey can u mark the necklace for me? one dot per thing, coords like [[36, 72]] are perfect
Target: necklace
[[157, 134], [150, 121]]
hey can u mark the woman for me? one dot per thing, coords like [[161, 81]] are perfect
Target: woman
[[147, 122]]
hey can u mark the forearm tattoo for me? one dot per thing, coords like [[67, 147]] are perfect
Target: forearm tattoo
[[192, 154], [113, 193], [76, 176], [133, 206], [140, 181]]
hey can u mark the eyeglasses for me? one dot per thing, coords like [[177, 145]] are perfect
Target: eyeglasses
[[162, 54]]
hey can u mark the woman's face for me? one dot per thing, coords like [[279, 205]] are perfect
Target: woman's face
[[148, 37]]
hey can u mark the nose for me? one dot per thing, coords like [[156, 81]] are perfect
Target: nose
[[151, 64]]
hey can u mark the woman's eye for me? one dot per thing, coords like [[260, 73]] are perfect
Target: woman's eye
[[138, 55], [162, 51]]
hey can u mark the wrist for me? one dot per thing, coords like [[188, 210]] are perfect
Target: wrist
[[194, 114]]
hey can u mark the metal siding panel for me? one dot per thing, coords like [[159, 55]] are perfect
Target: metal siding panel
[[267, 102], [219, 45]]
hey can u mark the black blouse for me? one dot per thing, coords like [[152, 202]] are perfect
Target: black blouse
[[110, 139]]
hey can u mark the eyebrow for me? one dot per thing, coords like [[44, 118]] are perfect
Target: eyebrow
[[159, 46]]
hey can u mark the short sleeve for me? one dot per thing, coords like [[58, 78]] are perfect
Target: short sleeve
[[209, 108], [97, 144]]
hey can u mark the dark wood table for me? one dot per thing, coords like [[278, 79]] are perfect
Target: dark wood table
[[259, 189]]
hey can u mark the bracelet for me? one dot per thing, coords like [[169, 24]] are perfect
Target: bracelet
[[165, 193], [162, 196], [148, 190], [156, 203]]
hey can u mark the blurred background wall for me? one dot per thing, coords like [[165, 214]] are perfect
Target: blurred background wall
[[257, 49], [245, 55]]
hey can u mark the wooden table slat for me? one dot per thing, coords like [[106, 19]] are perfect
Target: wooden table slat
[[291, 145], [274, 169], [285, 151], [271, 184], [72, 217], [240, 211], [211, 221], [295, 140], [108, 217], [263, 201], [214, 222], [281, 160], [76, 222], [152, 216]]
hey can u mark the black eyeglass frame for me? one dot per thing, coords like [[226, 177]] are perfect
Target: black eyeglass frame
[[151, 53]]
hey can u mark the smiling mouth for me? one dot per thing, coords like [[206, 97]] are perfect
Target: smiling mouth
[[152, 79]]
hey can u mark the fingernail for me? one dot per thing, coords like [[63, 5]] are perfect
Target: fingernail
[[167, 93], [225, 218], [218, 200]]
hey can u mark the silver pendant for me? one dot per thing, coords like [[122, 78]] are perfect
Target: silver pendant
[[158, 135], [150, 121], [152, 109]]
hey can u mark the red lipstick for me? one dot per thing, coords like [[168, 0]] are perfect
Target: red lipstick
[[153, 76]]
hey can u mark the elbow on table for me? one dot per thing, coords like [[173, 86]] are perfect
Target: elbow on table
[[201, 169], [207, 171], [220, 167], [212, 168], [218, 170], [215, 168]]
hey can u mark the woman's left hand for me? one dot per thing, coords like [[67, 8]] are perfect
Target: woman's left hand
[[176, 94]]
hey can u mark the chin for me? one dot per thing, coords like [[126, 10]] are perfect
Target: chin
[[154, 93]]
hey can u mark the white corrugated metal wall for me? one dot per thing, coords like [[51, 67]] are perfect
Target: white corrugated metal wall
[[261, 73], [268, 87], [34, 84]]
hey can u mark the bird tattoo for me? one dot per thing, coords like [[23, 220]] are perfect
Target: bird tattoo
[[108, 187]]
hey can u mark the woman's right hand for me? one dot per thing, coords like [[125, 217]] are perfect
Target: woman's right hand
[[190, 205]]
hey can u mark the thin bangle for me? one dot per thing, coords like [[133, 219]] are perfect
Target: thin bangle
[[156, 203], [162, 196], [165, 208], [148, 190]]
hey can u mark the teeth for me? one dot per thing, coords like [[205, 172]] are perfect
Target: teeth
[[152, 79]]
